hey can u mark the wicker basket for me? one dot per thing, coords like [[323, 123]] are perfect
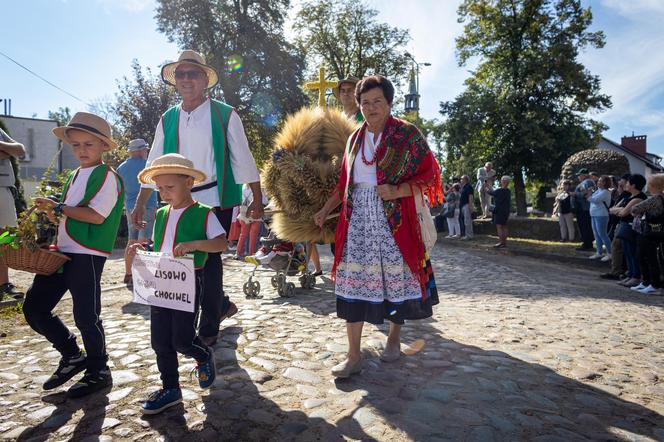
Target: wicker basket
[[40, 261]]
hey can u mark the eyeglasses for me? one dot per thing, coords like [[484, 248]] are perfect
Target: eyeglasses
[[190, 75]]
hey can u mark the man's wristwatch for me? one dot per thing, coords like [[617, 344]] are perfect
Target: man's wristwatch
[[57, 210]]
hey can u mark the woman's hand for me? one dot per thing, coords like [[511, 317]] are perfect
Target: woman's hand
[[320, 217], [184, 247], [44, 204], [389, 192]]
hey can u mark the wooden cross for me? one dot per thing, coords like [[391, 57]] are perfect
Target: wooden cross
[[321, 86]]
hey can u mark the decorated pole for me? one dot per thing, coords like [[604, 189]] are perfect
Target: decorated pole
[[322, 85]]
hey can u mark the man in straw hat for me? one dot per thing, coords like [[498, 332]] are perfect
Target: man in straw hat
[[345, 93], [183, 226], [128, 171], [210, 134], [90, 209]]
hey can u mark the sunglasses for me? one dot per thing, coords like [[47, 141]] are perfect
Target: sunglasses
[[190, 75]]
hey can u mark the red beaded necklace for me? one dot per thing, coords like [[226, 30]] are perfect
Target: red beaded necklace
[[364, 158]]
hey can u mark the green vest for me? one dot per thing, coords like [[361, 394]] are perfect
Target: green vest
[[98, 237], [230, 193], [359, 117], [192, 226]]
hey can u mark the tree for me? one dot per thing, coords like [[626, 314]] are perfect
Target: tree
[[345, 36], [140, 103], [526, 105], [260, 73], [62, 115]]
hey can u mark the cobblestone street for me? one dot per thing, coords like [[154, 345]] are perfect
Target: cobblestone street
[[518, 349]]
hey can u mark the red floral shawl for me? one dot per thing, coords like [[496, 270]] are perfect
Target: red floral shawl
[[403, 158]]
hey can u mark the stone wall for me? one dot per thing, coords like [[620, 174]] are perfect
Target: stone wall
[[543, 229]]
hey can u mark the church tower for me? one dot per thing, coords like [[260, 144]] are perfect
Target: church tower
[[413, 96]]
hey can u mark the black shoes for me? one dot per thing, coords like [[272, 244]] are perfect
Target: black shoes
[[609, 276], [91, 382], [8, 289], [67, 369]]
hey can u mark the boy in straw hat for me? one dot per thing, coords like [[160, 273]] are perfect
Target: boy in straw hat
[[89, 210], [181, 227]]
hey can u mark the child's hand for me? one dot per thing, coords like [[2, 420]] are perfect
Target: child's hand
[[44, 204], [132, 249], [183, 248]]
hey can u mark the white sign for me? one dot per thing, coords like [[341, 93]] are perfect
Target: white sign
[[164, 281]]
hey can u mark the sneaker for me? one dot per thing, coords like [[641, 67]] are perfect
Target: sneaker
[[454, 236], [161, 400], [595, 256], [90, 382], [649, 290], [638, 288], [10, 290], [206, 372], [67, 369], [606, 258]]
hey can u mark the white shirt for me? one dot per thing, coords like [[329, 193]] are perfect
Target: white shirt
[[212, 230], [102, 203], [361, 172], [195, 144]]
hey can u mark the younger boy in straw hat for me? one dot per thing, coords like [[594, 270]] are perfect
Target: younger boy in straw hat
[[89, 210], [181, 227]]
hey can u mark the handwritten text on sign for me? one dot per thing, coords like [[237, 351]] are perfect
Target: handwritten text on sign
[[164, 281]]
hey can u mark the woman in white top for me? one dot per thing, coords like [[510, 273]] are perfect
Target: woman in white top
[[600, 201]]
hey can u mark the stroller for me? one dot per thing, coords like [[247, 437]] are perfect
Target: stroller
[[284, 258]]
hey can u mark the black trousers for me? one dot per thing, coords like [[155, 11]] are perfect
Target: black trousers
[[81, 276], [646, 257], [585, 227], [215, 303], [173, 332]]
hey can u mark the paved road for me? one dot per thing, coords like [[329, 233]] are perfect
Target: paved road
[[518, 349]]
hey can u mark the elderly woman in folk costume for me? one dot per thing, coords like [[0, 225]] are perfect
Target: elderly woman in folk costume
[[381, 267]]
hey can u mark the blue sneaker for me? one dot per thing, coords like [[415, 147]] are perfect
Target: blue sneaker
[[161, 400], [206, 372]]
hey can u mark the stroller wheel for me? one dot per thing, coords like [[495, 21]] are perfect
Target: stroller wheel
[[274, 281], [311, 282], [256, 288], [248, 289], [290, 289]]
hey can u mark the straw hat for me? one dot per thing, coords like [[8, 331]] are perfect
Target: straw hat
[[170, 164], [189, 57], [90, 123], [348, 79]]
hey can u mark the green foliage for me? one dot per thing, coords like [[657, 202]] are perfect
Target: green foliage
[[525, 106], [140, 102], [260, 73], [346, 37], [62, 115], [432, 131]]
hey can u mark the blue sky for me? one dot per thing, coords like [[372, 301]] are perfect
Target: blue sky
[[84, 46]]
